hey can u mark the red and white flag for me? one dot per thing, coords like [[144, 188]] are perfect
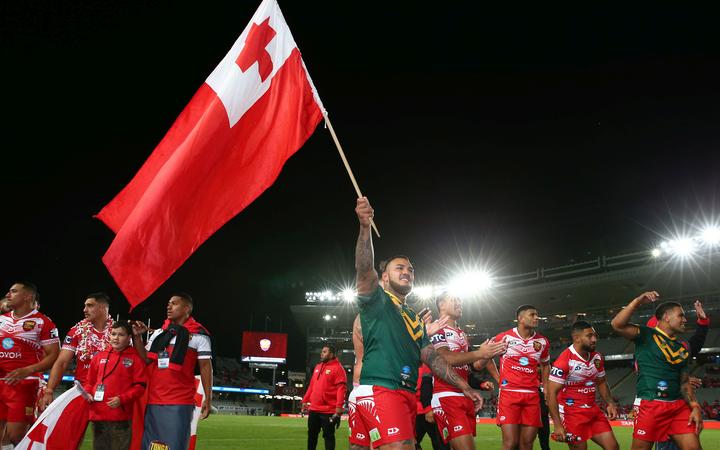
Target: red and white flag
[[61, 426], [254, 111]]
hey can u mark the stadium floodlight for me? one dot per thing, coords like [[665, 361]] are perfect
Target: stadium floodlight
[[348, 294], [656, 253], [470, 284], [424, 292], [682, 247], [710, 236], [327, 317]]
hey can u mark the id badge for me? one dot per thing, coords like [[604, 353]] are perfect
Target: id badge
[[99, 393], [163, 360]]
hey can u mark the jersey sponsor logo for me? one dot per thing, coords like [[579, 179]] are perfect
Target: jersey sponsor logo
[[537, 346], [446, 433], [502, 418], [641, 432], [597, 364], [359, 436], [524, 361], [8, 343], [557, 372], [127, 362], [513, 342], [662, 385], [393, 431], [577, 368], [586, 390], [29, 325], [11, 355], [569, 401], [590, 383], [68, 339], [504, 382], [672, 356], [374, 435], [327, 371], [406, 372], [54, 333], [157, 445], [457, 428], [522, 369], [439, 337]]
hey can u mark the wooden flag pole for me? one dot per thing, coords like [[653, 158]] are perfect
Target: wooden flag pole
[[347, 165]]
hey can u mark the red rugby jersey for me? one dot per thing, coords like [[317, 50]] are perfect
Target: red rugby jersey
[[455, 340], [520, 363], [22, 339], [579, 376]]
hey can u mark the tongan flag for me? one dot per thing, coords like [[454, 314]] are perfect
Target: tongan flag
[[254, 111], [61, 426]]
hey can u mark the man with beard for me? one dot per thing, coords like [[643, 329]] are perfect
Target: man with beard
[[576, 374], [29, 347], [668, 406], [454, 413], [518, 412], [86, 338], [395, 342]]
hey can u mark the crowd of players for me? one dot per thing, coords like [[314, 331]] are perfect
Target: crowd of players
[[388, 407], [114, 369]]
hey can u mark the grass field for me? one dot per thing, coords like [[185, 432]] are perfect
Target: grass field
[[220, 432]]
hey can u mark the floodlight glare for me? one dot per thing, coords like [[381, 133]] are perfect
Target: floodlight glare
[[348, 294], [469, 284], [682, 247], [327, 317], [424, 292], [710, 236], [656, 252]]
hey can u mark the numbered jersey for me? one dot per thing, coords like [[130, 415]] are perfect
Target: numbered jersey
[[23, 338], [520, 363], [455, 340], [578, 375]]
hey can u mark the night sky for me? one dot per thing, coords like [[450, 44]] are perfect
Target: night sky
[[508, 137]]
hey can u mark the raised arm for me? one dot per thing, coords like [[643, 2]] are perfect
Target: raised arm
[[621, 322], [366, 276], [139, 329]]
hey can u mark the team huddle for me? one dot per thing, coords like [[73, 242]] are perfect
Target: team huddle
[[392, 343]]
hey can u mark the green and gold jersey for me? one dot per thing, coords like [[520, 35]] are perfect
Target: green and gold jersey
[[661, 360], [393, 335]]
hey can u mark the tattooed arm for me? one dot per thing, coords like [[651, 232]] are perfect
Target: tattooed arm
[[688, 394], [445, 371], [367, 277]]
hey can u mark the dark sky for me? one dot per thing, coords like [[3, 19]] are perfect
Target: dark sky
[[506, 136]]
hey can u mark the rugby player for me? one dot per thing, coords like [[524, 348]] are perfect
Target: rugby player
[[574, 378], [668, 406], [394, 342], [527, 352], [454, 413], [26, 335]]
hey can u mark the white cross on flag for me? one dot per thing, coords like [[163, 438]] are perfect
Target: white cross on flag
[[255, 110]]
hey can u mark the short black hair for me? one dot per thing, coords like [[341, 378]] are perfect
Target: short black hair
[[331, 348], [580, 325], [664, 307], [186, 297], [100, 297], [522, 308], [384, 263], [30, 287], [124, 325]]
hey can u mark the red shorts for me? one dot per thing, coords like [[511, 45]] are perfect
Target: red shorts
[[381, 416], [584, 423], [454, 415], [519, 408], [657, 420], [17, 402]]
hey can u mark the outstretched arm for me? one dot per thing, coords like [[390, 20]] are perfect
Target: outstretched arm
[[366, 276], [446, 372], [621, 322]]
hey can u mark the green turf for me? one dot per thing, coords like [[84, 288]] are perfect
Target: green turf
[[220, 432]]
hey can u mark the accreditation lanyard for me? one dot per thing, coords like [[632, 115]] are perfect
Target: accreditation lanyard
[[100, 390]]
